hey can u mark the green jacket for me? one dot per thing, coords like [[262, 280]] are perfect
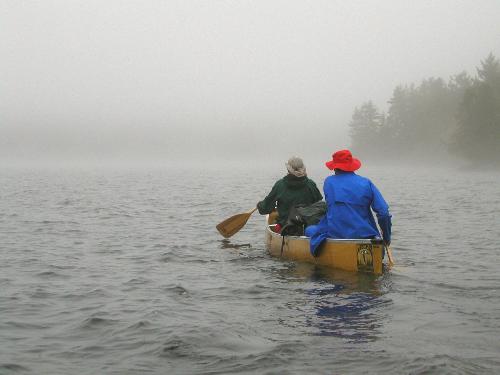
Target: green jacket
[[287, 192]]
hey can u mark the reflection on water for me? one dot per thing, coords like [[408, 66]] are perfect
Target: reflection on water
[[343, 304], [227, 244], [351, 317]]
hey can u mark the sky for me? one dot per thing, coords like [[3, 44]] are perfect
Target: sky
[[217, 79]]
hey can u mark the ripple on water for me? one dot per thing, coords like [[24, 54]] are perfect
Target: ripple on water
[[175, 347], [159, 246], [213, 345], [95, 322], [138, 281], [52, 274], [6, 368], [445, 364], [140, 325], [177, 290], [25, 325]]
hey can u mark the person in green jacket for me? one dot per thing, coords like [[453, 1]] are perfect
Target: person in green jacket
[[295, 188]]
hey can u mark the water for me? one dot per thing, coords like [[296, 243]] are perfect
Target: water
[[121, 271]]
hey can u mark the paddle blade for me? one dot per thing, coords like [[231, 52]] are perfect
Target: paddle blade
[[389, 256], [231, 226]]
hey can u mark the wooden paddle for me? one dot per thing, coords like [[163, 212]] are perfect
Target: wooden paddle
[[389, 256], [232, 225]]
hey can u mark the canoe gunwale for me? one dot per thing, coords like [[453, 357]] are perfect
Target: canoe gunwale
[[375, 241]]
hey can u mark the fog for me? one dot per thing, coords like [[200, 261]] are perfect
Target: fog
[[187, 80]]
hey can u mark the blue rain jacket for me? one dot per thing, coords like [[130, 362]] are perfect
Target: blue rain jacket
[[349, 199]]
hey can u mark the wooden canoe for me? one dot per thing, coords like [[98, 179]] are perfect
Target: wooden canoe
[[350, 255]]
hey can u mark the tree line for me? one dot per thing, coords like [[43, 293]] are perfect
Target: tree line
[[460, 117]]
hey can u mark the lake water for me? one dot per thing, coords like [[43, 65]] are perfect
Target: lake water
[[121, 271]]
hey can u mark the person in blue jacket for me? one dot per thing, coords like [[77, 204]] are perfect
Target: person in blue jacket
[[350, 200]]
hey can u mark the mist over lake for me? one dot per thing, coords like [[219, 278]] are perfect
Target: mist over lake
[[190, 80]]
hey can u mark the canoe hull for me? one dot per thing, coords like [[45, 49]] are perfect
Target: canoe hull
[[355, 255]]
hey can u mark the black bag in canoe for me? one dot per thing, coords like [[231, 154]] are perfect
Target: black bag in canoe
[[301, 216]]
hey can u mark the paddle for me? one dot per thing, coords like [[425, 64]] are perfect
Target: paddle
[[233, 224], [389, 256]]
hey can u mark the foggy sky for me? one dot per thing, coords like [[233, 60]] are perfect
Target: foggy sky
[[188, 79]]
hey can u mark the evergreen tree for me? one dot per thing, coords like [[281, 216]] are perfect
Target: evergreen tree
[[428, 120], [365, 128], [478, 135]]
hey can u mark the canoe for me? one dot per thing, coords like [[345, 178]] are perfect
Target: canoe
[[357, 255]]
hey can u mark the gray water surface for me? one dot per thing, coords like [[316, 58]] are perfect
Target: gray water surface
[[121, 271]]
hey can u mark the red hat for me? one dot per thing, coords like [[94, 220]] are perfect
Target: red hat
[[343, 160]]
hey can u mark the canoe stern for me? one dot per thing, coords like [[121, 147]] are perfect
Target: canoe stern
[[350, 255]]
